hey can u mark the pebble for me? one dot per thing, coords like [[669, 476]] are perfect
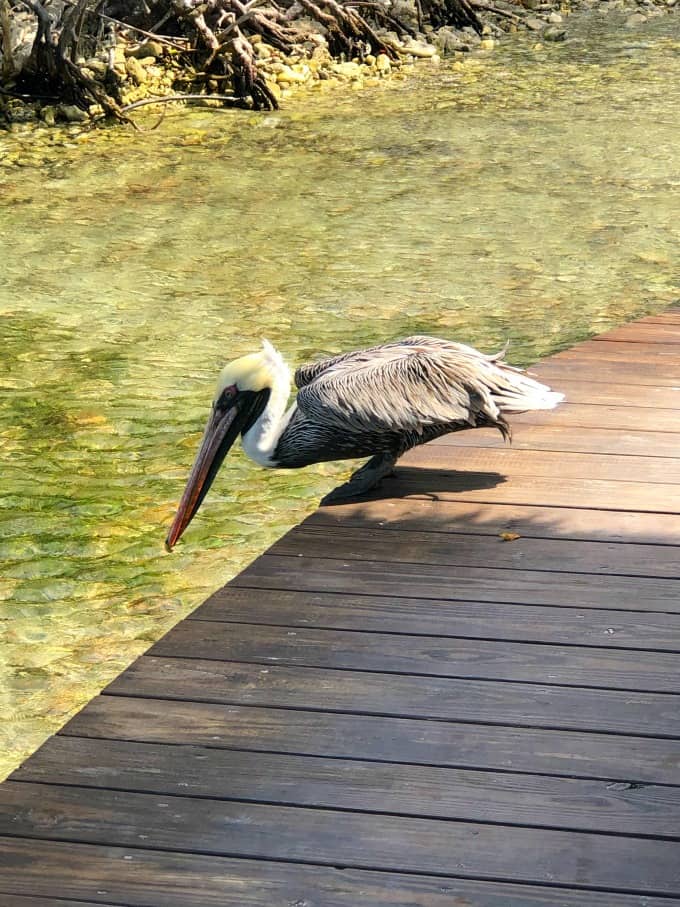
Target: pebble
[[136, 71], [347, 70], [148, 49], [420, 49], [635, 20], [554, 33], [447, 40], [49, 115], [383, 64], [534, 24], [71, 113], [288, 74], [98, 67], [555, 19]]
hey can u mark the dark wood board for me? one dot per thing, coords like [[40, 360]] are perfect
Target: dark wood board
[[452, 583], [411, 740], [623, 418], [669, 317], [149, 878], [528, 520], [510, 462], [644, 333], [608, 371], [331, 837], [14, 900], [614, 394], [492, 487], [503, 703], [430, 656], [554, 555], [468, 619], [637, 444], [622, 350], [402, 789]]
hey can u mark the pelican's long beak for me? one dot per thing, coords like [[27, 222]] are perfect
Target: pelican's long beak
[[220, 433]]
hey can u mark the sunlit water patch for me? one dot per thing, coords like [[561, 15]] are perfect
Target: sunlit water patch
[[529, 195]]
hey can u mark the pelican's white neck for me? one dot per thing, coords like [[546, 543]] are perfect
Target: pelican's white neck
[[260, 441]]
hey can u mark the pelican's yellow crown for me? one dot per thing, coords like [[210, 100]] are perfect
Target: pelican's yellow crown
[[253, 372]]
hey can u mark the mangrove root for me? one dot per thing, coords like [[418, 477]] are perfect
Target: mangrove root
[[77, 52]]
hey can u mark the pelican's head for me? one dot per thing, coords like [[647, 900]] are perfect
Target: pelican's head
[[241, 396]]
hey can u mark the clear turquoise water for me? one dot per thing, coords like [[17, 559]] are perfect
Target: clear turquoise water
[[523, 194]]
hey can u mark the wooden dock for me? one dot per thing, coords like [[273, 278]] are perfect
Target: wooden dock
[[462, 693]]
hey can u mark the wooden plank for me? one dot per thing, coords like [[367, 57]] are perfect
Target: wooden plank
[[622, 418], [529, 521], [643, 333], [521, 704], [607, 370], [670, 317], [475, 620], [620, 443], [563, 464], [471, 659], [589, 392], [409, 790], [14, 900], [148, 878], [492, 487], [621, 350], [465, 583], [443, 743], [331, 837], [554, 555]]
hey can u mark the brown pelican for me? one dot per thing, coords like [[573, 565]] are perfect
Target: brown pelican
[[375, 403]]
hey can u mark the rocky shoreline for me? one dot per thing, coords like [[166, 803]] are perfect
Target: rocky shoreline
[[156, 70]]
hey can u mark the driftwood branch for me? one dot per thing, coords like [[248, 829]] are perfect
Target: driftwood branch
[[231, 100]]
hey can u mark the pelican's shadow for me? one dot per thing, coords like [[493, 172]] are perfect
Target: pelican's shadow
[[435, 484]]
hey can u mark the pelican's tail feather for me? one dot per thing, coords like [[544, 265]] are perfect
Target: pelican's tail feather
[[518, 393]]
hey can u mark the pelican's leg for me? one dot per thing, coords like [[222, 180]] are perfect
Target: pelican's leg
[[364, 479]]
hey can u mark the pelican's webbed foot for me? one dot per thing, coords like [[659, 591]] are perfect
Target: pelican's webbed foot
[[364, 479]]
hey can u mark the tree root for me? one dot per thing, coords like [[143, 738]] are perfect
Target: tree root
[[247, 81], [214, 35], [348, 32], [459, 13], [51, 66]]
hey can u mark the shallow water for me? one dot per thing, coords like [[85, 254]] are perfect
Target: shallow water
[[524, 194]]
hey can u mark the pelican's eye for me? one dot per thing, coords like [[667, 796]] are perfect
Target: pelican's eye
[[227, 397]]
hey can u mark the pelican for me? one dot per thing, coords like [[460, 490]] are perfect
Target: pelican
[[377, 403]]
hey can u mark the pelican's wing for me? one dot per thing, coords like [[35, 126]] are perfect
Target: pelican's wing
[[305, 374], [403, 386]]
